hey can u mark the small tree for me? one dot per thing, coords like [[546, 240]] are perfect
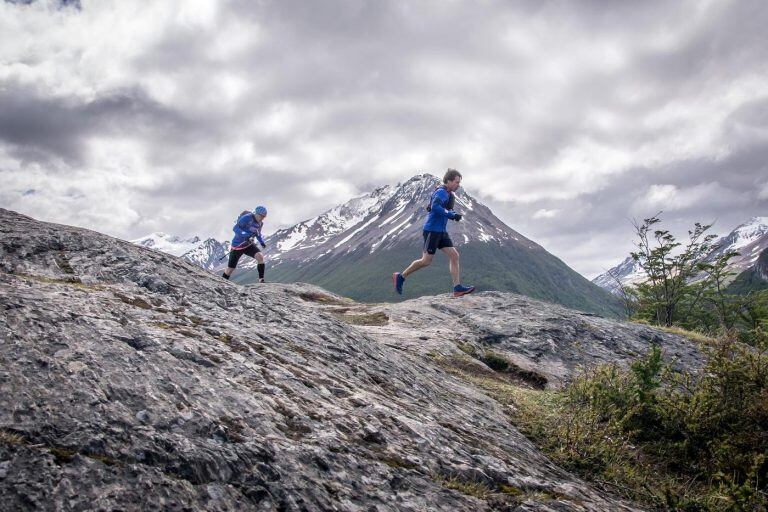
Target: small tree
[[626, 293], [724, 304], [669, 269]]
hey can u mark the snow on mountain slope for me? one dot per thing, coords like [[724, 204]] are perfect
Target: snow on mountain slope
[[168, 244], [749, 239], [203, 253], [627, 272], [315, 231]]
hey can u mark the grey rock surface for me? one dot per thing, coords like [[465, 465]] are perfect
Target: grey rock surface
[[546, 341], [133, 380]]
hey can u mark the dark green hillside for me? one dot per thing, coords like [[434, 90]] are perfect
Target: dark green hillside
[[752, 279]]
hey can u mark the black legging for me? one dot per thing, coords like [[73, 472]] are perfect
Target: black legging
[[235, 255]]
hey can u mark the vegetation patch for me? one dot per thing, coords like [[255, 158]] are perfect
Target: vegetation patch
[[671, 439], [466, 367], [7, 437], [510, 490], [396, 462], [62, 455], [378, 318], [470, 488], [691, 335], [467, 348], [495, 361], [233, 344], [134, 301], [196, 320], [679, 331], [498, 368], [531, 378], [322, 299]]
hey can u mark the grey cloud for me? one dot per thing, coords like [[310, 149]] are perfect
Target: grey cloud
[[45, 128], [594, 232], [373, 80]]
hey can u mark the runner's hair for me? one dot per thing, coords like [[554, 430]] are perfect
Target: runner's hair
[[451, 175]]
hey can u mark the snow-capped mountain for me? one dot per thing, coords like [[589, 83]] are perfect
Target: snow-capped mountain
[[382, 219], [353, 249], [749, 240], [168, 244], [204, 253], [209, 254], [627, 272], [314, 233]]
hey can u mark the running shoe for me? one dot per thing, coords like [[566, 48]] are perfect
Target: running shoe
[[460, 290], [398, 280]]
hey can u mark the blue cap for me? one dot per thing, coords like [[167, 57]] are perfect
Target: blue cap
[[260, 210]]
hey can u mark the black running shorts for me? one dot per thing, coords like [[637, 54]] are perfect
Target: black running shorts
[[434, 240], [234, 256]]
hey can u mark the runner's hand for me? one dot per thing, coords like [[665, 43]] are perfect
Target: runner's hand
[[263, 246], [457, 217]]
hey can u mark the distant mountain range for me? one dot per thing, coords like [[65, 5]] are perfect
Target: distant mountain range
[[206, 253], [748, 269], [352, 249]]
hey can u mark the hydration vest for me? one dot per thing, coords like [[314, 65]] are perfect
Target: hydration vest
[[448, 206]]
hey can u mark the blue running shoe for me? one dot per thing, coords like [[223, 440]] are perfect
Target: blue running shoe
[[460, 290], [398, 280]]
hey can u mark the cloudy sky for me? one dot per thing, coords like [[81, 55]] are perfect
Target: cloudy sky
[[568, 118]]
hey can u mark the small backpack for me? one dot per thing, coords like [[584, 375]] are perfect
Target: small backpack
[[451, 200]]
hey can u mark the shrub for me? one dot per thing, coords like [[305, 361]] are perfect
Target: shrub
[[675, 439]]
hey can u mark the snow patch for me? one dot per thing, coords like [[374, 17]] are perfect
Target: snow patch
[[393, 230], [348, 237], [294, 239], [173, 245]]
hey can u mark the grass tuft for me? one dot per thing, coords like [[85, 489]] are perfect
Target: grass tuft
[[378, 318], [475, 489], [7, 437], [323, 299]]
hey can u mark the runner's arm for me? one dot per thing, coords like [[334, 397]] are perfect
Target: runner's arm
[[437, 206]]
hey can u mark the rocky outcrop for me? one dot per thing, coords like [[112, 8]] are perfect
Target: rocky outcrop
[[545, 341], [133, 380]]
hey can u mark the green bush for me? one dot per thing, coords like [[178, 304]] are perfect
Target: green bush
[[495, 361], [675, 439]]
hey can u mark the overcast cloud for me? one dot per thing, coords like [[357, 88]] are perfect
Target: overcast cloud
[[568, 118]]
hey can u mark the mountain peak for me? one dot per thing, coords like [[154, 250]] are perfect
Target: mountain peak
[[745, 235], [423, 177], [756, 221]]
